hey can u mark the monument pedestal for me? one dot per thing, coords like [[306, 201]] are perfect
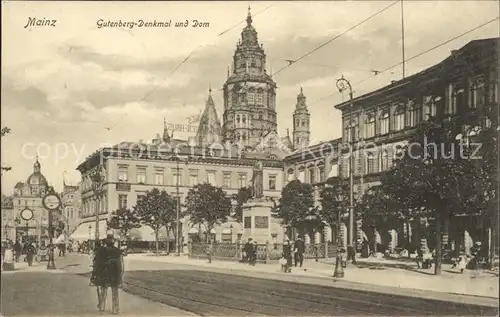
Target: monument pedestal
[[258, 220]]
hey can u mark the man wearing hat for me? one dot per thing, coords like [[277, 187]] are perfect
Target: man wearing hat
[[109, 270]]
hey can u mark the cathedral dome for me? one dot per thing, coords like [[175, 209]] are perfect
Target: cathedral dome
[[37, 178]]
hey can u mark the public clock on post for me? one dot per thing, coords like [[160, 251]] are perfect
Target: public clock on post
[[27, 214], [51, 202]]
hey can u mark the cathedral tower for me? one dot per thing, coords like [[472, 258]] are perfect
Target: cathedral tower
[[209, 129], [249, 93], [301, 120]]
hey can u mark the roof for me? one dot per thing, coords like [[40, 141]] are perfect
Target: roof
[[435, 70], [209, 129]]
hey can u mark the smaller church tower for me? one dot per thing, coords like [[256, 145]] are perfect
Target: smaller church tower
[[209, 129], [301, 121]]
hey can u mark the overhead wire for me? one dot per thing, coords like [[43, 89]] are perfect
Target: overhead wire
[[194, 50], [417, 55], [336, 37]]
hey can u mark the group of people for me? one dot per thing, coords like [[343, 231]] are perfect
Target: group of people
[[296, 251], [12, 252], [107, 272]]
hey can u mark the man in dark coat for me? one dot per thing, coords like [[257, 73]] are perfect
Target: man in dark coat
[[30, 251], [299, 248], [18, 248], [248, 251], [108, 272]]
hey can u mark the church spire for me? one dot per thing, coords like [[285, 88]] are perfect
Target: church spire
[[209, 129], [166, 136], [249, 17], [36, 166]]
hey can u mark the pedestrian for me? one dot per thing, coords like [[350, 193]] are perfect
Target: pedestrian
[[253, 253], [107, 272], [247, 251], [286, 265], [8, 258], [30, 253], [18, 248], [299, 248]]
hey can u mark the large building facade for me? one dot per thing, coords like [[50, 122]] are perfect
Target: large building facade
[[28, 196], [462, 89]]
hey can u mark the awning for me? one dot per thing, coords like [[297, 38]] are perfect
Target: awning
[[60, 239], [86, 231]]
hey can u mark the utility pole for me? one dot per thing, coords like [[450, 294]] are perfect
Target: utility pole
[[403, 36], [177, 247]]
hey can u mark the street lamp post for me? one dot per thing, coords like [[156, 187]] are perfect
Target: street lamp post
[[97, 183], [51, 202], [342, 85], [178, 205]]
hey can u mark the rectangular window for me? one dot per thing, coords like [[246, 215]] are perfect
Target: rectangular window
[[272, 182], [140, 197], [247, 222], [251, 98], [370, 129], [159, 177], [193, 180], [227, 180], [122, 174], [176, 176], [242, 180], [259, 98], [122, 201], [211, 177], [141, 175]]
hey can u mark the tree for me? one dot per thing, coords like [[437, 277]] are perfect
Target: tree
[[243, 195], [430, 176], [334, 203], [296, 206], [124, 220], [208, 205], [5, 131], [156, 210]]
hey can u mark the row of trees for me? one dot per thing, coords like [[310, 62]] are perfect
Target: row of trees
[[205, 205], [440, 174]]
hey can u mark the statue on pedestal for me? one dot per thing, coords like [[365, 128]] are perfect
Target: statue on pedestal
[[258, 180]]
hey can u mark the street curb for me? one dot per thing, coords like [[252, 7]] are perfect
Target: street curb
[[409, 292]]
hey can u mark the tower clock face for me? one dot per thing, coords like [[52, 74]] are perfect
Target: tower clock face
[[27, 214]]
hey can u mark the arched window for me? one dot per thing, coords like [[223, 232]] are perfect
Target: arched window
[[415, 113], [350, 131], [370, 163], [384, 160], [297, 122], [370, 126], [302, 174], [312, 174], [244, 119], [303, 123], [237, 118], [430, 106], [291, 174], [384, 122], [259, 97], [399, 118], [399, 152], [261, 116]]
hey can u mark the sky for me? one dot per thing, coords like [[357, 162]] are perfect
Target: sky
[[70, 88]]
